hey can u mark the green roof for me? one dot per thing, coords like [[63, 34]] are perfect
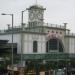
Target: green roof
[[48, 56]]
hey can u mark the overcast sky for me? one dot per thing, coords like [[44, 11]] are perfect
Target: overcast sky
[[57, 11]]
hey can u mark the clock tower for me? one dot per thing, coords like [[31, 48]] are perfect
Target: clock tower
[[36, 13]]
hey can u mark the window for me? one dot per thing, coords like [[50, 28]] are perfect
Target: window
[[54, 44], [34, 46], [48, 31], [60, 32], [51, 45], [56, 32], [52, 31]]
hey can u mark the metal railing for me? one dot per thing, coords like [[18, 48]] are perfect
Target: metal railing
[[70, 34], [54, 25], [32, 29]]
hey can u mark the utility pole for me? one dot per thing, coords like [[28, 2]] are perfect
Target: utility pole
[[12, 41], [22, 38]]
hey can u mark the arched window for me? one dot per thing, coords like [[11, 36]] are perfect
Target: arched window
[[34, 46], [54, 44]]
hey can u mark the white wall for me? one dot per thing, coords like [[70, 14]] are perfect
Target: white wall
[[72, 45], [28, 43], [67, 43], [41, 38]]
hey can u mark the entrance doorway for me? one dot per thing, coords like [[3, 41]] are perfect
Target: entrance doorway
[[54, 45]]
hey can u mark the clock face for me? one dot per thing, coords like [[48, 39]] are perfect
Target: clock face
[[35, 15], [39, 16], [31, 16]]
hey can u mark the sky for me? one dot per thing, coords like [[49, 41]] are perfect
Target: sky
[[57, 12]]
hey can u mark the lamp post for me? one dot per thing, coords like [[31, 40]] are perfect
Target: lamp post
[[22, 38], [22, 18], [12, 39]]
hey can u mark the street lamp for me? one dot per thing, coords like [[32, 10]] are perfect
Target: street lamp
[[22, 16], [12, 38], [22, 38]]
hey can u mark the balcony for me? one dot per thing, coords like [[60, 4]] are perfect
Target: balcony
[[32, 28], [54, 25]]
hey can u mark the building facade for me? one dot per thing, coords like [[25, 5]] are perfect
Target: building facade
[[40, 33], [38, 38]]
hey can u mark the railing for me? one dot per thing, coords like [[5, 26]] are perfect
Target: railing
[[15, 27], [54, 25], [31, 29], [70, 34]]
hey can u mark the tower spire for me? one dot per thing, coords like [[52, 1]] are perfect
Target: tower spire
[[36, 2]]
